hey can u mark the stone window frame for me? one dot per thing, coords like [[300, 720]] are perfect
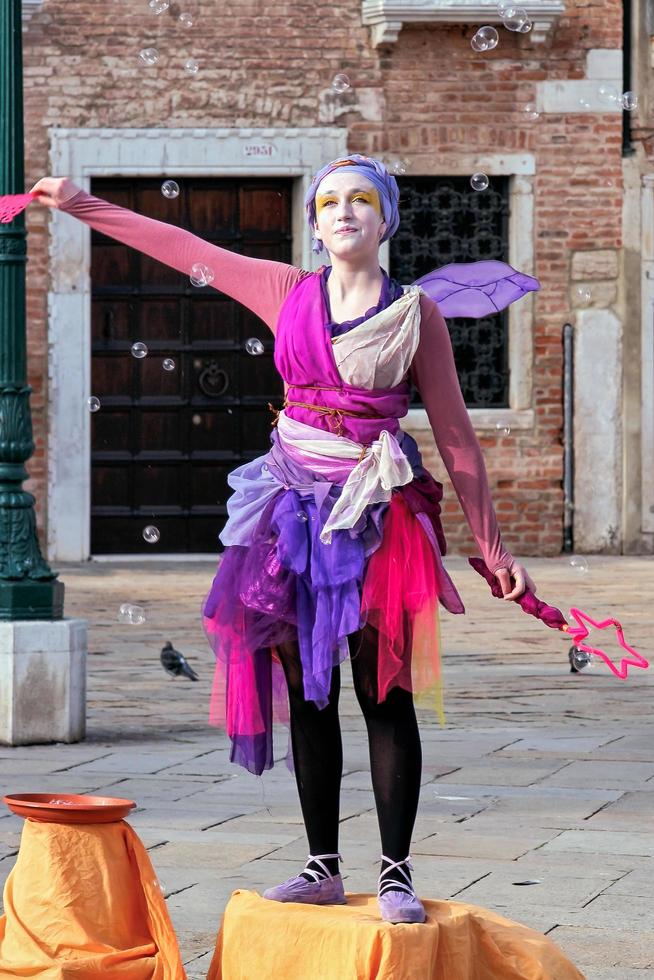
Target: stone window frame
[[520, 168], [386, 18], [82, 154]]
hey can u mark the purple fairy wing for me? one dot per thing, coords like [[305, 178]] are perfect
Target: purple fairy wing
[[476, 289]]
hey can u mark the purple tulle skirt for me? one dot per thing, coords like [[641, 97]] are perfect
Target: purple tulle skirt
[[281, 584]]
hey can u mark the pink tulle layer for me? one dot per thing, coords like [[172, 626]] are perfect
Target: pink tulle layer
[[400, 600]]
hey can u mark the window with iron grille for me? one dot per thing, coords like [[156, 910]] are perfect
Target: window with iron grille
[[444, 220]]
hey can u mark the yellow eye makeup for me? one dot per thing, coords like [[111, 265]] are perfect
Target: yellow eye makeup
[[368, 197], [322, 202]]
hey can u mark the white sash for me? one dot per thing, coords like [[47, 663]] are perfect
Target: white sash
[[383, 467]]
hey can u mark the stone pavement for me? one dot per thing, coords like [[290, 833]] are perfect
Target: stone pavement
[[539, 773]]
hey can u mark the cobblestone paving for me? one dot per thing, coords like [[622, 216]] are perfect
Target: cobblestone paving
[[539, 773]]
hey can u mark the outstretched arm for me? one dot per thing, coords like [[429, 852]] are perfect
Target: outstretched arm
[[259, 284], [434, 372]]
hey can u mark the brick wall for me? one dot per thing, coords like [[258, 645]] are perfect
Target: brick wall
[[265, 64]]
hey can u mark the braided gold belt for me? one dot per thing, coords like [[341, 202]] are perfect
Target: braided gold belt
[[337, 414]]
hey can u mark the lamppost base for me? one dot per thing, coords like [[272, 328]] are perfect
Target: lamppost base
[[29, 599]]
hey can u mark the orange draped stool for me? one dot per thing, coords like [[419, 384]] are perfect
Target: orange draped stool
[[83, 901], [259, 938]]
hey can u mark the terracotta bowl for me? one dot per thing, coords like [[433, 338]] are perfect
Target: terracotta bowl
[[68, 807]]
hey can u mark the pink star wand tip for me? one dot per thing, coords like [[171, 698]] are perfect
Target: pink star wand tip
[[554, 618]]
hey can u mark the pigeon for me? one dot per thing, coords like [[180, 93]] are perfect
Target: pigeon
[[174, 662]]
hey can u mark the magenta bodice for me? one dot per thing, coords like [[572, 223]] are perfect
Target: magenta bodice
[[304, 357]]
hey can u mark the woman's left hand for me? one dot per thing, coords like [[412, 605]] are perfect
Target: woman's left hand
[[522, 581]]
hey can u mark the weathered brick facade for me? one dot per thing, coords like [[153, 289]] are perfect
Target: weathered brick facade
[[428, 98]]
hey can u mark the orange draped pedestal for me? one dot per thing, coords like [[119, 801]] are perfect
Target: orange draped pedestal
[[83, 901], [259, 939]]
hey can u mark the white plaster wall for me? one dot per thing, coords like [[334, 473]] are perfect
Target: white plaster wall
[[647, 355], [598, 431]]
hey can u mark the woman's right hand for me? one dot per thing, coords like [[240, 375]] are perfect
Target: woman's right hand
[[54, 191]]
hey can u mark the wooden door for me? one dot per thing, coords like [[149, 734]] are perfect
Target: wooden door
[[163, 442]]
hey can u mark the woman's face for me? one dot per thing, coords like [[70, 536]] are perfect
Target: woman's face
[[349, 219]]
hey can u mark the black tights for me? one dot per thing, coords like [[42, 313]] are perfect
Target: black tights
[[394, 743]]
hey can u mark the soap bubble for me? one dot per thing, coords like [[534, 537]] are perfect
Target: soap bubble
[[629, 101], [93, 404], [139, 350], [201, 275], [485, 39], [168, 364], [254, 346], [514, 18], [191, 67], [340, 83], [159, 6], [149, 56], [170, 189], [398, 167], [503, 6], [186, 19], [578, 564], [151, 534], [503, 429], [526, 27], [608, 95], [134, 615], [479, 182], [530, 111], [583, 295], [584, 103], [301, 516]]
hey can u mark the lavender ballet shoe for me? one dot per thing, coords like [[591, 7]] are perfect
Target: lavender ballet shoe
[[323, 889], [397, 900]]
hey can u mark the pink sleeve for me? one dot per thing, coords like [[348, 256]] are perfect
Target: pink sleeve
[[434, 372], [259, 284]]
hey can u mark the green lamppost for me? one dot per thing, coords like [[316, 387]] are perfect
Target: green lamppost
[[28, 587]]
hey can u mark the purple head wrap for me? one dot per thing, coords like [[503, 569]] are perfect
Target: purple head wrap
[[376, 173]]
